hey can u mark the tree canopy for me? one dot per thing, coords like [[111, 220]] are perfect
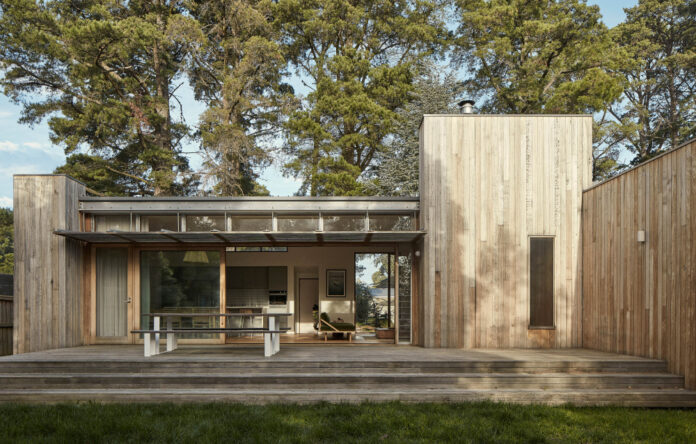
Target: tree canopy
[[657, 110], [331, 90], [358, 59], [104, 74]]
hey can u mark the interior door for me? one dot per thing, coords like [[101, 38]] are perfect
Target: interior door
[[309, 296], [111, 291]]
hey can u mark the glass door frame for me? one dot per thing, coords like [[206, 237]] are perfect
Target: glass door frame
[[394, 271], [92, 297], [135, 259]]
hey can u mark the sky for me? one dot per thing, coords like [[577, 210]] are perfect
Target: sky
[[28, 150]]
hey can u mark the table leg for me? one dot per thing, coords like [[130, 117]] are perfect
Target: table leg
[[171, 337], [156, 324], [267, 345], [275, 338], [147, 345]]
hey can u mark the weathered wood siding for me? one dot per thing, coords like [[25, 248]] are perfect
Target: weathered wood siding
[[6, 290], [48, 268], [487, 184], [640, 297]]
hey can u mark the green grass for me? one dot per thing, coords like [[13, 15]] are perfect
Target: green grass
[[369, 423]]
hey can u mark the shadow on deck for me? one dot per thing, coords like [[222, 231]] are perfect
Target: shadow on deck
[[310, 373]]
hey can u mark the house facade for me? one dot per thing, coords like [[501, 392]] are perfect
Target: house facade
[[494, 253]]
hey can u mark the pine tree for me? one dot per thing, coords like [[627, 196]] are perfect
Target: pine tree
[[238, 74], [538, 56], [434, 93], [657, 110], [358, 58], [104, 74]]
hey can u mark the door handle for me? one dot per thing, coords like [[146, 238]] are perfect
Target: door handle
[[127, 301]]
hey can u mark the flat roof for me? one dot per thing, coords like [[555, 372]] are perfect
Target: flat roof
[[246, 237], [476, 114], [294, 204]]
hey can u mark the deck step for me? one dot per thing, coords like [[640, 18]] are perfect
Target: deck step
[[337, 380], [311, 374], [156, 365], [632, 398]]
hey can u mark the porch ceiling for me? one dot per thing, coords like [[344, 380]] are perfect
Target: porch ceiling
[[246, 237]]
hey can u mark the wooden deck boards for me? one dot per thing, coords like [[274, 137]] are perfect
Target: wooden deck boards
[[303, 373], [306, 352]]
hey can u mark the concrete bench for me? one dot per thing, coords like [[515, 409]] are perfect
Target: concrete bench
[[151, 343], [151, 340]]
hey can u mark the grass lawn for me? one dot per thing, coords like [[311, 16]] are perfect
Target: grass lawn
[[369, 422]]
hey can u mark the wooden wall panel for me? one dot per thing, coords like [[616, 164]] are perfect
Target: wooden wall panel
[[639, 298], [487, 184], [48, 268]]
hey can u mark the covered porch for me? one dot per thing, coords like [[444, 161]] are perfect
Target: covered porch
[[338, 269]]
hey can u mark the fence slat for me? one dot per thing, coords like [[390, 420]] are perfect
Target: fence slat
[[6, 313]]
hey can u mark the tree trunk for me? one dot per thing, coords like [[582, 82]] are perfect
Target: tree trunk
[[162, 168]]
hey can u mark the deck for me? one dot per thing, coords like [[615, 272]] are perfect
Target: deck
[[339, 351], [340, 373]]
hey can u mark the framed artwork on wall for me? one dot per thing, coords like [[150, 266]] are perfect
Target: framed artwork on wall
[[335, 283]]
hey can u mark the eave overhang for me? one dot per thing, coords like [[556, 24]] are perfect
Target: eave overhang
[[247, 237]]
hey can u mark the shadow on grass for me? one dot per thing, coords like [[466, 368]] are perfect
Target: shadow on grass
[[366, 422]]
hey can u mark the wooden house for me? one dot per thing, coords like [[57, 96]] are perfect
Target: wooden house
[[509, 245]]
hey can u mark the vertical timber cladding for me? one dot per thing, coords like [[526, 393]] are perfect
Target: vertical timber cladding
[[48, 268], [639, 262], [488, 183]]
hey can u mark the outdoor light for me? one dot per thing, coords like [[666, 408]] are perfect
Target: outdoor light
[[196, 257], [641, 236]]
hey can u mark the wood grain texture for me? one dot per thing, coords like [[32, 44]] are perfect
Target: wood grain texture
[[640, 297], [488, 183], [48, 268]]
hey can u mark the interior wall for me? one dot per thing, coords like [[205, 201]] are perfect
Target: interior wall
[[307, 262], [640, 297], [488, 183], [48, 268]]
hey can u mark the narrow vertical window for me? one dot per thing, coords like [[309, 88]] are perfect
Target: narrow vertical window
[[541, 282]]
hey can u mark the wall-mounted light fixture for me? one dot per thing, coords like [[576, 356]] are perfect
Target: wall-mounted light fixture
[[641, 236]]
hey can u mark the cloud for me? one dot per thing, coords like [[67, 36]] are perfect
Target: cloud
[[34, 145], [23, 169], [8, 146], [6, 114], [5, 202]]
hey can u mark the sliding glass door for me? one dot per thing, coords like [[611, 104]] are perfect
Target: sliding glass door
[[374, 295], [180, 282]]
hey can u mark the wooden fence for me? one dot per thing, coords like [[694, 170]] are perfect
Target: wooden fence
[[639, 262], [6, 291]]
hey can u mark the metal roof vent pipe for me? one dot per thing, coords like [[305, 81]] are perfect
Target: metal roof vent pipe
[[466, 106]]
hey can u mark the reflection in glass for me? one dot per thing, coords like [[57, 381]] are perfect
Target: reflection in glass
[[180, 282], [405, 275], [344, 222], [251, 223], [298, 223], [120, 222], [391, 222], [159, 223], [205, 223], [374, 292]]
